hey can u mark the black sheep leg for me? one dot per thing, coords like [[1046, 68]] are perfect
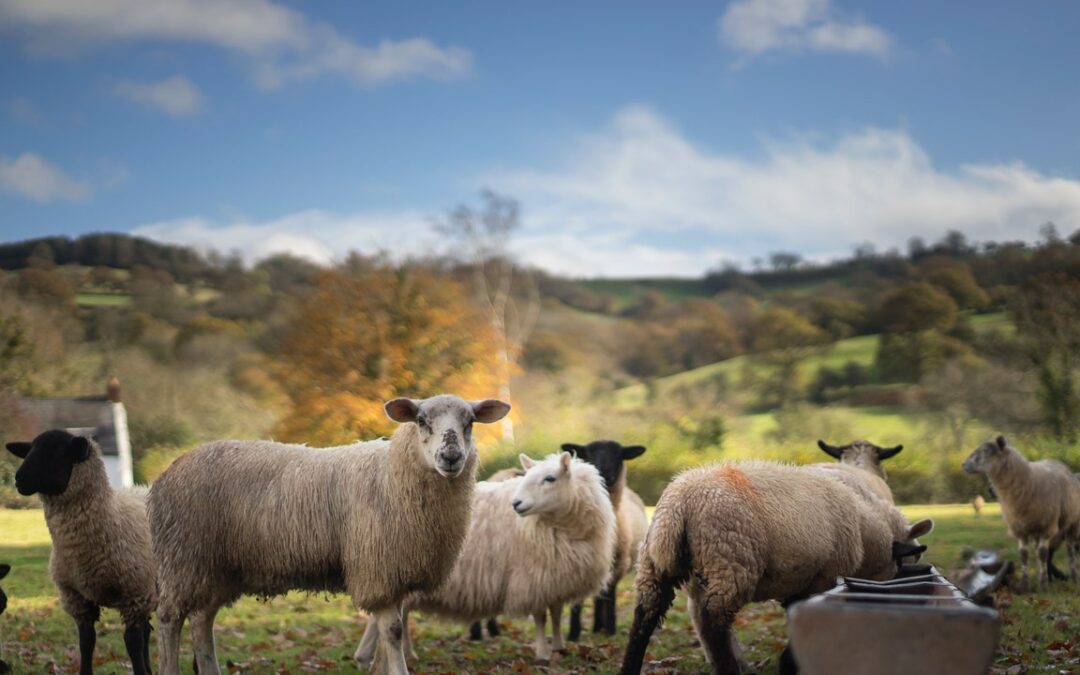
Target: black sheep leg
[[87, 641], [135, 642], [575, 623]]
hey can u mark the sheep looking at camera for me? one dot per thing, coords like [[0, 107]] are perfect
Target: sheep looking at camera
[[1040, 502], [535, 543], [101, 553], [736, 533], [868, 457], [378, 520]]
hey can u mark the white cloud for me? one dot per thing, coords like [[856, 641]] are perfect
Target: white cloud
[[282, 43], [31, 176], [176, 95], [754, 27], [642, 180]]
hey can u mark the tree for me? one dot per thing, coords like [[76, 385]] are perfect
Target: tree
[[785, 339], [704, 333], [1047, 316], [838, 317], [915, 317], [955, 278], [784, 262], [358, 340], [508, 294]]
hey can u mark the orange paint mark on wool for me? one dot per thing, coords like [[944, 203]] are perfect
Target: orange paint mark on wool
[[736, 479]]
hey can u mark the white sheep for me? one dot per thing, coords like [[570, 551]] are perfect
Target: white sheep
[[101, 554], [736, 533], [377, 520], [535, 543], [1040, 502], [868, 457]]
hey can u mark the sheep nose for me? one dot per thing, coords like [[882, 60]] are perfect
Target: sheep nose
[[516, 504], [451, 456]]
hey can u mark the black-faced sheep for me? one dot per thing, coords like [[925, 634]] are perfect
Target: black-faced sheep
[[535, 543], [610, 458], [739, 533], [101, 552], [1040, 502], [4, 569], [378, 520], [868, 457]]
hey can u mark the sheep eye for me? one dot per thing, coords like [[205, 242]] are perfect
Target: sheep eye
[[422, 421], [549, 479]]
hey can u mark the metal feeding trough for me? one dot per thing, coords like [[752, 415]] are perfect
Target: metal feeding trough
[[915, 623]]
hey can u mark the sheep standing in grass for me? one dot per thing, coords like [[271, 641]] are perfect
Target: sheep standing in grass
[[377, 520], [739, 533], [868, 457], [101, 553], [535, 543], [610, 458], [1040, 502]]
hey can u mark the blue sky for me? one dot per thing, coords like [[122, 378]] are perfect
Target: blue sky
[[642, 138]]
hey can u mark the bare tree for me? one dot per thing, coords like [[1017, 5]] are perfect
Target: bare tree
[[508, 293]]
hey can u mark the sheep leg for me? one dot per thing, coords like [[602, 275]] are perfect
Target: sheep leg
[[541, 646], [169, 645], [147, 629], [85, 614], [87, 641], [406, 637], [609, 609], [134, 636], [476, 631], [1023, 565], [598, 612], [1042, 553], [556, 629], [1072, 549], [366, 649], [493, 626], [718, 639], [575, 623], [391, 631], [202, 636], [654, 598]]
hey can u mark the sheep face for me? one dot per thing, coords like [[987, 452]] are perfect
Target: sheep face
[[986, 455], [606, 456], [48, 462], [862, 454], [545, 487], [444, 425]]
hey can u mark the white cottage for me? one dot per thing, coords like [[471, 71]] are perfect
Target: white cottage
[[102, 418]]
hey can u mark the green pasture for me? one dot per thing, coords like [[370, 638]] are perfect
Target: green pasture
[[318, 633]]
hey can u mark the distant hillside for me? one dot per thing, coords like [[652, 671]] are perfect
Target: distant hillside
[[120, 251]]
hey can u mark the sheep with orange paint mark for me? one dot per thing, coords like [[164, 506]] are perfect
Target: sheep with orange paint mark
[[735, 533]]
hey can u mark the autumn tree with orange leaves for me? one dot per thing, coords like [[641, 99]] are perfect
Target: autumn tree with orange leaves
[[367, 335]]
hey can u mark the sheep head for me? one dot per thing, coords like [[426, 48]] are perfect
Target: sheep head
[[48, 461], [546, 486], [862, 454], [986, 455], [444, 425], [607, 456]]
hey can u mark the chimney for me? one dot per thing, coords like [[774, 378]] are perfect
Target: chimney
[[112, 391]]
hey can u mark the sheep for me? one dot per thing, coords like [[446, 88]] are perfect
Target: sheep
[[535, 543], [101, 554], [1040, 502], [476, 628], [4, 569], [378, 520], [610, 458], [868, 457], [742, 532], [977, 503]]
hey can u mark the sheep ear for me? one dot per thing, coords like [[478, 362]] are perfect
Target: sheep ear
[[80, 449], [632, 451], [4, 569], [830, 450], [491, 410], [572, 448], [921, 528], [885, 453], [564, 462], [526, 461], [20, 450], [402, 410], [1002, 442]]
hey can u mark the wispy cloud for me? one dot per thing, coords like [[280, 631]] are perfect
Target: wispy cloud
[[753, 27], [32, 177], [176, 95], [642, 179], [283, 44]]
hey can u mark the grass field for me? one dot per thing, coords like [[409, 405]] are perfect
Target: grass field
[[318, 633], [103, 299]]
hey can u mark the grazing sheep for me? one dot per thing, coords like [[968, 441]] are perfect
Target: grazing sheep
[[101, 553], [868, 457], [1040, 502], [977, 503], [377, 520], [4, 569], [610, 459], [535, 543], [742, 532]]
